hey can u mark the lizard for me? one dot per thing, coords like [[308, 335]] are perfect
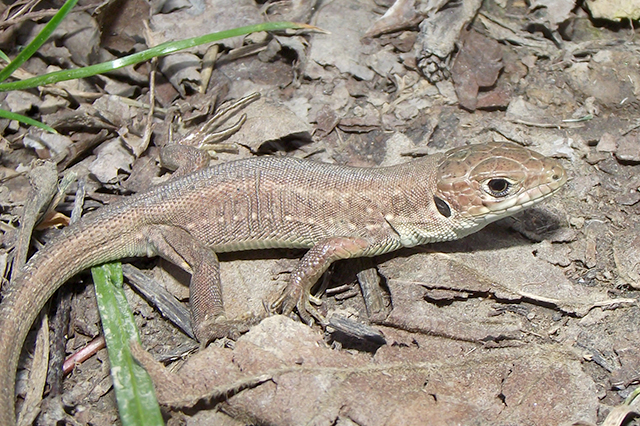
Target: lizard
[[334, 211]]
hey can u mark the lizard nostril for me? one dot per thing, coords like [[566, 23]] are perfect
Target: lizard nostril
[[558, 173]]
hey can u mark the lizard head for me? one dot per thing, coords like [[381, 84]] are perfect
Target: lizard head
[[479, 184]]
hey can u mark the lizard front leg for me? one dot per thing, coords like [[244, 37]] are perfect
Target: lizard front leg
[[194, 151], [205, 292], [314, 263]]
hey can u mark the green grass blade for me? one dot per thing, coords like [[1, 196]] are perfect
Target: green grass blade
[[135, 395], [160, 50], [4, 57], [38, 40], [26, 120]]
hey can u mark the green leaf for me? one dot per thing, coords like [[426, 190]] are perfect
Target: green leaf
[[4, 57], [135, 394], [26, 120], [160, 50], [38, 40]]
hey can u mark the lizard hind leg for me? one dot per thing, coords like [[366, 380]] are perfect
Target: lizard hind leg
[[205, 291]]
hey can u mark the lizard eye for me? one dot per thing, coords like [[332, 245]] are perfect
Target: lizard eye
[[442, 206], [497, 187]]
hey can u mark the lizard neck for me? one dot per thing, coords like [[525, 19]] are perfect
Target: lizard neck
[[410, 209]]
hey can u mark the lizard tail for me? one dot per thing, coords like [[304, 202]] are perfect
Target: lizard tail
[[41, 277]]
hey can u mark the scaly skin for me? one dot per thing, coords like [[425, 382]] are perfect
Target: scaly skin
[[336, 211]]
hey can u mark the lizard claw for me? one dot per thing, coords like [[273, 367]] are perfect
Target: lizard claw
[[293, 297], [287, 302]]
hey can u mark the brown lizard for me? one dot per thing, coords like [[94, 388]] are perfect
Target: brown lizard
[[335, 211]]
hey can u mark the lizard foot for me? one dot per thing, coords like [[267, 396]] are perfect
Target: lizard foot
[[293, 297], [215, 328]]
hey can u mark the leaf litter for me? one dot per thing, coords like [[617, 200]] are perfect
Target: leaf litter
[[531, 321]]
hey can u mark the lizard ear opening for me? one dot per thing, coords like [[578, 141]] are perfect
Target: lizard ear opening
[[442, 206]]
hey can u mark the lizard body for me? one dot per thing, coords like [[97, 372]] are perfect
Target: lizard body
[[335, 211]]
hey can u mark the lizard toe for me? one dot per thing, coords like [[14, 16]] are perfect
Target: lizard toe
[[288, 300]]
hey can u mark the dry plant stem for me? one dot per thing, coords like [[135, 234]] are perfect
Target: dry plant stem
[[62, 316], [37, 376], [25, 14], [60, 328], [208, 62], [148, 127], [160, 298], [57, 90], [43, 178], [83, 354]]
